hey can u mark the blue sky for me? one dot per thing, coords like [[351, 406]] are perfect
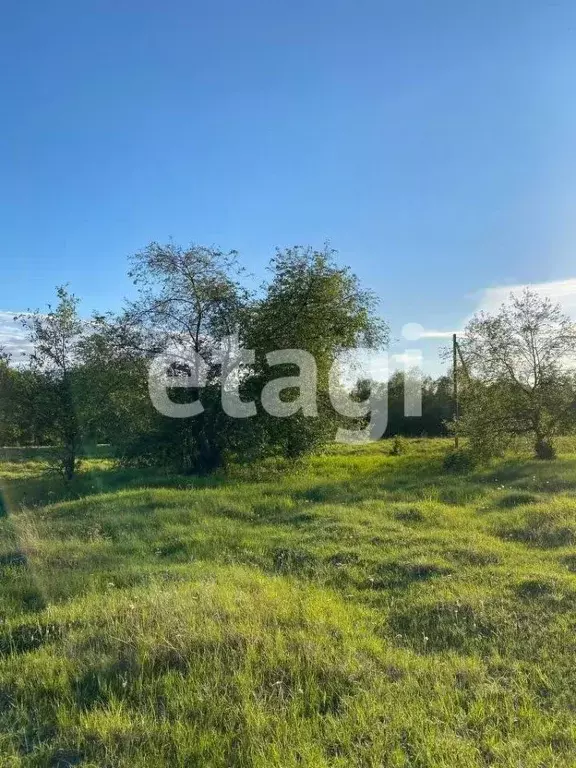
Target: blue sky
[[433, 143]]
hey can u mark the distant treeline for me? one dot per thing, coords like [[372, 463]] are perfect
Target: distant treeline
[[25, 419], [87, 381]]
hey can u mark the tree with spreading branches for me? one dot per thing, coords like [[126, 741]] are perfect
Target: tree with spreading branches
[[520, 374]]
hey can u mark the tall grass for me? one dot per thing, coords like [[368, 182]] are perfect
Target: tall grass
[[354, 609]]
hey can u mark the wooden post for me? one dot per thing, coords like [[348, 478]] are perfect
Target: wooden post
[[455, 379]]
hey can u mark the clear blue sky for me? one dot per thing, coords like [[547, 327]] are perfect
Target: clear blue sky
[[433, 143]]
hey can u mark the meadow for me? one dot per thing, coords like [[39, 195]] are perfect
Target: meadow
[[352, 609]]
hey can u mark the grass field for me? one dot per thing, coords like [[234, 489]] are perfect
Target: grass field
[[358, 609]]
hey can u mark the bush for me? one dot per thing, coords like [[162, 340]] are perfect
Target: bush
[[459, 460], [399, 446], [189, 446], [544, 450]]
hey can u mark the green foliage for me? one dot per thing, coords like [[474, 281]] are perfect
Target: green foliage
[[194, 296], [311, 303], [8, 425], [437, 406], [399, 446], [189, 295], [55, 337], [314, 304], [519, 376], [87, 380], [113, 374], [459, 460]]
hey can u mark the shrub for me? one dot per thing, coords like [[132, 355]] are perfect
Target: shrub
[[399, 446], [459, 460], [544, 450]]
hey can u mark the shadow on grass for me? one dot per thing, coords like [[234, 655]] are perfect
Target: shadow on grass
[[543, 476], [49, 488], [409, 479], [31, 636]]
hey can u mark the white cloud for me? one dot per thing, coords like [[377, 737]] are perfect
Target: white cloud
[[13, 336], [415, 332], [411, 358], [431, 334], [489, 300], [562, 292]]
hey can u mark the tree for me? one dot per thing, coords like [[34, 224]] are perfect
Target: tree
[[437, 403], [194, 297], [8, 427], [189, 299], [520, 374], [191, 296], [315, 305], [113, 377], [55, 337], [23, 417]]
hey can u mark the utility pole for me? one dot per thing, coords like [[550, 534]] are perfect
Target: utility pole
[[455, 380]]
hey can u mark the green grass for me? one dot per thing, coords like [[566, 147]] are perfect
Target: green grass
[[355, 609]]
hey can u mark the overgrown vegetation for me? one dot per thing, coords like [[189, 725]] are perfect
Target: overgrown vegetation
[[218, 350], [352, 609], [232, 589], [89, 380], [519, 377]]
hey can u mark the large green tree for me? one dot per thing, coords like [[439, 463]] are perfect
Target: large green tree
[[315, 305], [195, 297], [188, 300]]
